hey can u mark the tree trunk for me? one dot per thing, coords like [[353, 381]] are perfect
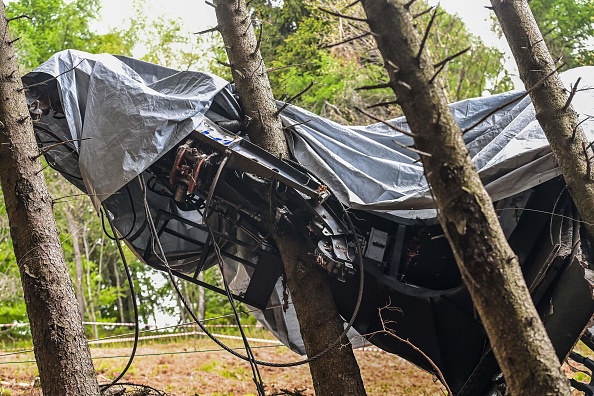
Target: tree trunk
[[560, 123], [337, 372], [116, 272], [91, 302], [73, 231], [201, 299], [489, 267], [61, 349]]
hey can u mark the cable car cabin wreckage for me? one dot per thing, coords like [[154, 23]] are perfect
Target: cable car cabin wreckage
[[209, 195]]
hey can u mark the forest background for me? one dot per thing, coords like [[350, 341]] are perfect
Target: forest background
[[302, 44]]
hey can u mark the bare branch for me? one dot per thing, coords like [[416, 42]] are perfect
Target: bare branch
[[572, 94], [428, 10], [402, 131], [46, 149], [347, 40], [297, 124], [18, 17], [351, 4], [426, 35], [451, 57], [578, 125], [53, 78], [10, 42], [288, 102], [61, 199], [212, 29], [383, 104], [339, 15], [370, 87], [410, 3], [392, 333], [223, 63], [411, 148], [209, 4], [441, 65], [259, 42]]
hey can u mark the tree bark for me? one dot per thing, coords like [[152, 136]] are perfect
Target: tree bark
[[560, 123], [489, 267], [337, 372], [61, 350]]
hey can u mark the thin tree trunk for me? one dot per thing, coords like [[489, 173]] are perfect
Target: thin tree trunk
[[489, 267], [560, 123], [337, 372], [201, 299], [73, 231], [61, 349], [116, 272], [91, 301]]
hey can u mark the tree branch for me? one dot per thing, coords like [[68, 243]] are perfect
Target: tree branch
[[347, 40], [297, 124], [18, 17], [426, 35], [288, 102], [351, 4], [339, 15], [410, 3], [259, 41], [370, 87], [441, 65], [383, 104], [386, 123], [578, 125], [572, 94], [428, 10], [212, 29], [50, 79], [46, 149], [392, 333], [451, 57]]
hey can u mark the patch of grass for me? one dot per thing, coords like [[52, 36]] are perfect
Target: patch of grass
[[208, 367], [109, 369], [582, 377], [238, 374]]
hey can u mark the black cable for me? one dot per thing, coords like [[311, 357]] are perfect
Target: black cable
[[207, 211], [142, 386], [105, 387], [220, 343], [248, 349], [113, 238]]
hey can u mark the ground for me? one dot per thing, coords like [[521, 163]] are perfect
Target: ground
[[196, 366], [190, 367]]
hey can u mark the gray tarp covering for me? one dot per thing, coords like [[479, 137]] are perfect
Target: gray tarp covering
[[157, 107], [130, 113]]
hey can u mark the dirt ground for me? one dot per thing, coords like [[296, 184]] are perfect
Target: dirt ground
[[198, 367], [189, 368]]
